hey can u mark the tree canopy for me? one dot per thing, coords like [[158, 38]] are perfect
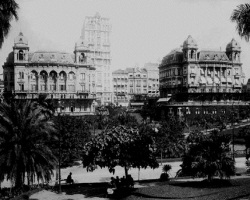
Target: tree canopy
[[24, 131], [241, 15], [119, 146], [208, 155], [73, 133], [170, 138], [8, 11]]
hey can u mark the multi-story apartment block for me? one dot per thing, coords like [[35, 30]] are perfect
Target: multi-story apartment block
[[69, 79], [153, 79], [193, 78], [120, 87], [129, 85], [96, 33]]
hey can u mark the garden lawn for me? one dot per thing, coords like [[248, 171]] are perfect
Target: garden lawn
[[218, 190]]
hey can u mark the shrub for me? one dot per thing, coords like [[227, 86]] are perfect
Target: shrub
[[165, 176]]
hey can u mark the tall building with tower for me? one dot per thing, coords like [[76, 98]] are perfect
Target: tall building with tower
[[67, 79], [96, 33], [196, 82]]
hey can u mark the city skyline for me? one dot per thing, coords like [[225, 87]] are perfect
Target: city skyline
[[142, 31]]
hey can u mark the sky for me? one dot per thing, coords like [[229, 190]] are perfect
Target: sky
[[142, 30]]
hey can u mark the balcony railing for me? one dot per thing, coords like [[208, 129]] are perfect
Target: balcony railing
[[52, 91]]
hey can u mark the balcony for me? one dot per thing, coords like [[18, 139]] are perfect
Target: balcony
[[83, 91]]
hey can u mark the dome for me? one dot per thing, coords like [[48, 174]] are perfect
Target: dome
[[175, 55], [20, 40], [233, 45], [81, 45], [189, 43]]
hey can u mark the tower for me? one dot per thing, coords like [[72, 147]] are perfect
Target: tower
[[190, 49], [233, 50], [21, 49], [96, 32], [81, 52]]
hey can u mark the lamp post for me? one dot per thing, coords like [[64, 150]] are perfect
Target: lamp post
[[59, 162], [233, 130]]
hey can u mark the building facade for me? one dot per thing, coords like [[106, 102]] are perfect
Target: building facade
[[120, 87], [69, 79], [153, 79], [191, 79], [132, 86], [96, 33]]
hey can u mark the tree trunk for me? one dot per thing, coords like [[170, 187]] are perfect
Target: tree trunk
[[161, 156], [126, 171]]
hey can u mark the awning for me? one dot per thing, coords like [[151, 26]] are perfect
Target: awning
[[216, 80], [202, 71], [209, 81], [202, 80], [164, 99], [229, 80], [137, 103]]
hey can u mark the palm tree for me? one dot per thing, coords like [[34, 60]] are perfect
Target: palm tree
[[241, 16], [8, 10], [24, 133]]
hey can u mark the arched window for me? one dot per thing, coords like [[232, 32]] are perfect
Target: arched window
[[192, 54], [20, 55], [82, 57]]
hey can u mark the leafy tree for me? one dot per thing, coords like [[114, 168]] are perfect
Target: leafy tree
[[46, 104], [121, 145], [208, 155], [170, 138], [8, 11], [241, 15], [245, 134], [24, 131], [73, 133]]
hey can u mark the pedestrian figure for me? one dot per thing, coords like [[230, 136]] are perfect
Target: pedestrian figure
[[69, 179]]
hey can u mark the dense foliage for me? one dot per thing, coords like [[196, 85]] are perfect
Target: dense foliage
[[245, 134], [208, 155], [24, 132], [169, 137], [241, 15], [73, 133], [8, 11], [119, 146]]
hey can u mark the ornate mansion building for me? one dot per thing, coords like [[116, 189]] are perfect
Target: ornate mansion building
[[67, 78], [201, 82]]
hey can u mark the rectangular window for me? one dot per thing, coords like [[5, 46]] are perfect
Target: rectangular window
[[52, 87], [33, 87], [62, 87], [82, 76], [21, 86], [43, 88]]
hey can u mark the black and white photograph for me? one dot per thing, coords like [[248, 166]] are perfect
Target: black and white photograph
[[125, 99]]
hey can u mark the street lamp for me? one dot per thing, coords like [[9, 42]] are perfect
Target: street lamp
[[59, 162]]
